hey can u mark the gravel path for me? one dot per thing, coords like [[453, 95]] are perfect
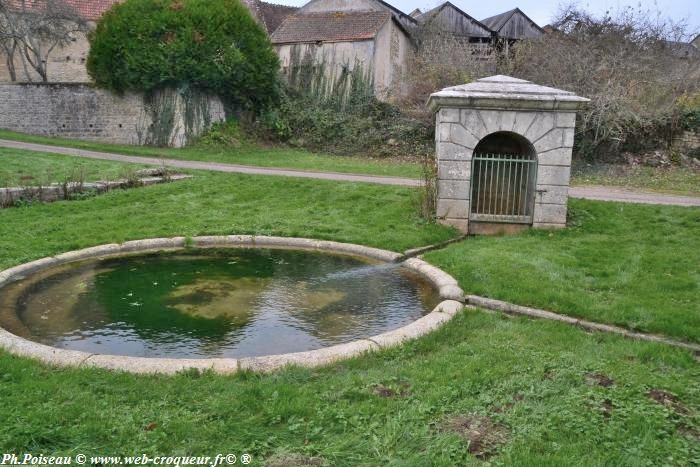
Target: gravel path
[[600, 193], [213, 166]]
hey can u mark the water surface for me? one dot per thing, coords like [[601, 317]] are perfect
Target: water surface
[[213, 303]]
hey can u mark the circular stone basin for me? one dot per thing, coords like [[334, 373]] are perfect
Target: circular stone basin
[[219, 303], [213, 303]]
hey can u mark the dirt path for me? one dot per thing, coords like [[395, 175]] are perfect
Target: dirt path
[[600, 193]]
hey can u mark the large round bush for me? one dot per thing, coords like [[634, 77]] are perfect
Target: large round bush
[[215, 45]]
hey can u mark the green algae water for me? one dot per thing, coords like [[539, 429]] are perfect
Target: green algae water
[[214, 303]]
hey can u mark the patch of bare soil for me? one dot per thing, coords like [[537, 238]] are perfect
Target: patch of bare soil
[[669, 400], [389, 393], [383, 391], [294, 460], [483, 435], [607, 407], [599, 379], [689, 432]]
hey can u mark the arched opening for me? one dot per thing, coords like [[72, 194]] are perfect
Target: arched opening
[[504, 179]]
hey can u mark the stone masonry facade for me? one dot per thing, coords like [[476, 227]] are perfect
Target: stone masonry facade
[[81, 111], [65, 65], [72, 111], [461, 124], [689, 140], [460, 130]]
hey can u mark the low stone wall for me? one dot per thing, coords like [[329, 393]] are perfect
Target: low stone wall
[[80, 111], [55, 192], [688, 140]]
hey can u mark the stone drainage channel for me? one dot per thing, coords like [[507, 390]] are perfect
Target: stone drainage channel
[[450, 294]]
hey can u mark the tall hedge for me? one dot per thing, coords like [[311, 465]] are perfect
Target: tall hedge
[[214, 45]]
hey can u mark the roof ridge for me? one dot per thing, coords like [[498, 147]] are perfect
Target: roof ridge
[[345, 13]]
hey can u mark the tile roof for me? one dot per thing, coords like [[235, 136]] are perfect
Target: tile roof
[[400, 15], [334, 26], [272, 15], [497, 22], [93, 9], [88, 9]]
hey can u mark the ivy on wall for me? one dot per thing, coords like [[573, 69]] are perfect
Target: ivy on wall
[[329, 82]]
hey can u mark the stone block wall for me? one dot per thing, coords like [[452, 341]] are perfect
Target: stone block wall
[[689, 140], [80, 111], [66, 64], [459, 131]]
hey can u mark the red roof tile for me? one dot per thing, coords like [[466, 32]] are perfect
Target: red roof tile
[[88, 9], [273, 15], [334, 26], [93, 9]]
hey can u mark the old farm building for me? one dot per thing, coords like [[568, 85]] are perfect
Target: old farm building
[[512, 26], [331, 45], [334, 45], [449, 19]]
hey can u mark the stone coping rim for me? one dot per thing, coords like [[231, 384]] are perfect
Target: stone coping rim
[[450, 305], [522, 102]]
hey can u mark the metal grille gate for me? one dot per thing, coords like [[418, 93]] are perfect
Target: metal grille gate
[[503, 188]]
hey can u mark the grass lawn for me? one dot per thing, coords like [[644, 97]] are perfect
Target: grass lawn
[[633, 265], [24, 168], [246, 155], [552, 394], [220, 204], [674, 180], [535, 379]]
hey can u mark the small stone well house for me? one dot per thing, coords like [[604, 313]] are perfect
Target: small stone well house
[[334, 45], [504, 154]]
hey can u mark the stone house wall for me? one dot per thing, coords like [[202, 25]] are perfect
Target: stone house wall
[[391, 56], [66, 64], [336, 58]]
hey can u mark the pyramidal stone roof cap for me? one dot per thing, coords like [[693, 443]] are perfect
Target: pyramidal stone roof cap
[[506, 92]]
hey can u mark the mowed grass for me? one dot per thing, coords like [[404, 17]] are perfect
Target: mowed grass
[[247, 154], [677, 180], [633, 265], [536, 380], [540, 382], [24, 168], [219, 204]]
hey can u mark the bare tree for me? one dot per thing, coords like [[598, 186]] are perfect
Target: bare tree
[[443, 59], [8, 45], [34, 28], [626, 63]]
